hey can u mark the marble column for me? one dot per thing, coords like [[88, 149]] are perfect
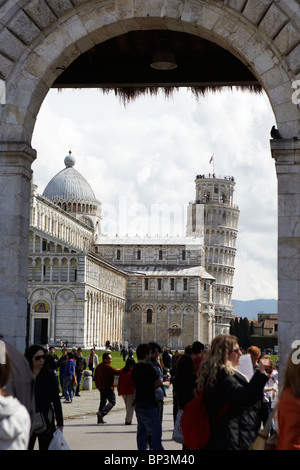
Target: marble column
[[287, 157], [15, 175]]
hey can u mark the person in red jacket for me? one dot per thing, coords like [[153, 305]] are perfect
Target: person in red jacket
[[104, 380], [288, 411], [126, 388]]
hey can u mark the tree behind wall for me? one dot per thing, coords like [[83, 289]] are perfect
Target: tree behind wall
[[240, 327]]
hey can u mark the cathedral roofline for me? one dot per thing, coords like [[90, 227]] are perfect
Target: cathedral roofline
[[104, 262], [173, 271], [150, 240], [61, 211]]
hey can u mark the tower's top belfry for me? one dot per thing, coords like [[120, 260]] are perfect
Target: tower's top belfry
[[213, 204], [213, 189]]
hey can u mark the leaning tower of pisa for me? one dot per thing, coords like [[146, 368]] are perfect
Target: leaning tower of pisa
[[219, 220]]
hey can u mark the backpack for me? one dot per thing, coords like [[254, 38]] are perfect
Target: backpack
[[195, 424]]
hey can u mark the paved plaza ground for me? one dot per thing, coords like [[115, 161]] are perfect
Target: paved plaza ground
[[83, 433], [115, 443]]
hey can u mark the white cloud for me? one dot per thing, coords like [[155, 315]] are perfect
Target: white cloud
[[149, 153]]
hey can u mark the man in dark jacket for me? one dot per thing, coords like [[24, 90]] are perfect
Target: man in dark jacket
[[81, 365], [52, 362], [124, 353], [62, 365], [146, 381]]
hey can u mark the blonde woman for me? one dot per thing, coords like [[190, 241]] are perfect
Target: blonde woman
[[228, 390], [288, 411]]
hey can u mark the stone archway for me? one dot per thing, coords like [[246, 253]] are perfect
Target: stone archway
[[40, 39]]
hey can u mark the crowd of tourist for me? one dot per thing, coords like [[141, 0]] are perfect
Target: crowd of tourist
[[237, 406]]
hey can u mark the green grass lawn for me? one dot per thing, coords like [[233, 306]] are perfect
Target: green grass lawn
[[274, 358], [117, 358]]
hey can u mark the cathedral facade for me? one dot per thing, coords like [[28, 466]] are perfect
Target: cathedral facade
[[86, 288], [169, 294]]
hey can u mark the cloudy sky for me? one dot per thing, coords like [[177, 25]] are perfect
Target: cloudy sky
[[142, 159]]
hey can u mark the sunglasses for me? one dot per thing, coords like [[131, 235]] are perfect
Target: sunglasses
[[37, 358]]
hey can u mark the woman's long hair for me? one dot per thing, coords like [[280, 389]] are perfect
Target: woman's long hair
[[5, 371], [292, 373], [185, 366], [129, 364], [216, 358]]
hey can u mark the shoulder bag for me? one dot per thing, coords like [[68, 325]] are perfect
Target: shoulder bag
[[262, 442], [42, 423], [177, 432]]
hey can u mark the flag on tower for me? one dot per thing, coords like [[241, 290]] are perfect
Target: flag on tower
[[211, 158]]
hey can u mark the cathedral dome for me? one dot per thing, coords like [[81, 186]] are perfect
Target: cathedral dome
[[69, 186]]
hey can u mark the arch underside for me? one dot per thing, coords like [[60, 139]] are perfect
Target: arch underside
[[110, 44], [123, 64]]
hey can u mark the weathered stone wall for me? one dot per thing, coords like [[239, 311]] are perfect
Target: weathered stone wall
[[41, 37]]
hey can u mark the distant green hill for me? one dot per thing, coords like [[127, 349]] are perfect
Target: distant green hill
[[250, 308]]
